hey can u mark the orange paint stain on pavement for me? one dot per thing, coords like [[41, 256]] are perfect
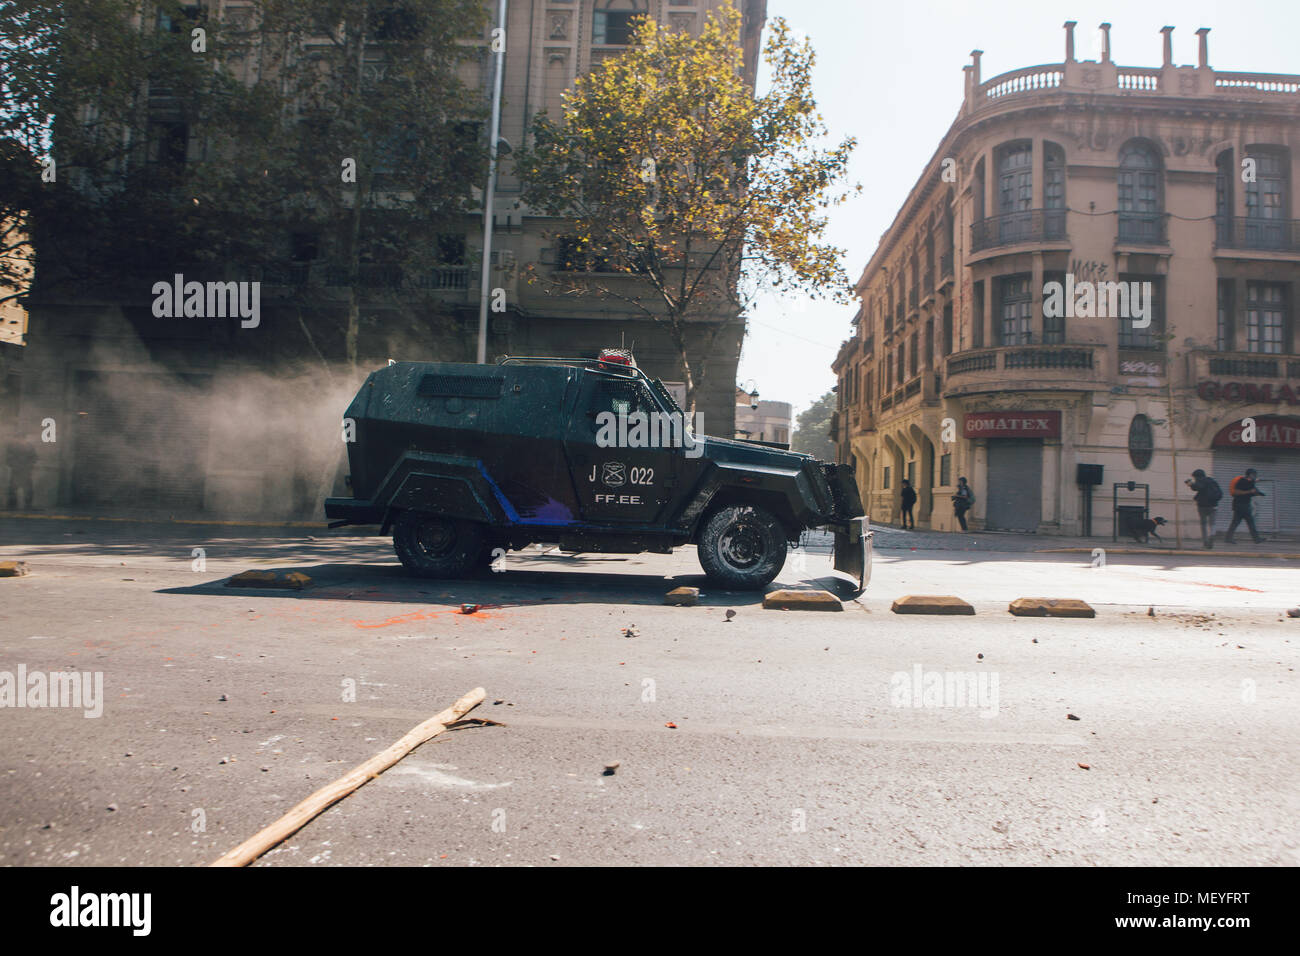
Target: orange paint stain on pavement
[[425, 615]]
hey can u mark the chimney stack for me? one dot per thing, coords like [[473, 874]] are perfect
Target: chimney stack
[[1069, 40], [975, 66], [1169, 45], [1105, 42], [1203, 57]]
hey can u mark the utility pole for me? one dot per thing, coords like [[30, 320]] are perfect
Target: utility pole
[[489, 195], [1173, 441]]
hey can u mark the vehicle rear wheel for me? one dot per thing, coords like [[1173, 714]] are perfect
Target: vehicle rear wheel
[[742, 547], [434, 547]]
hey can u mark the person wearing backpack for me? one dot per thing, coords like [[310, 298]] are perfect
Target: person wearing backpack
[[963, 500], [908, 502], [1243, 491], [1208, 494]]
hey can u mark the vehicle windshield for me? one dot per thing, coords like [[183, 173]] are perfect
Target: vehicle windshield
[[661, 390], [671, 405]]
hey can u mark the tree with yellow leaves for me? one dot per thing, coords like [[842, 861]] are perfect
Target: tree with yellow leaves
[[684, 192]]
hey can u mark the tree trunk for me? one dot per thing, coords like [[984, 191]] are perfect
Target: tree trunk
[[688, 374], [354, 223]]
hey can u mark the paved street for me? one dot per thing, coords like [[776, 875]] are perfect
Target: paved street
[[800, 737]]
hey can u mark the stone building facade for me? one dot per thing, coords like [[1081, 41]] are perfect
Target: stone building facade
[[1098, 266], [201, 418]]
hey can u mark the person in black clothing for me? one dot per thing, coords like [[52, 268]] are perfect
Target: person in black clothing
[[1243, 492], [962, 501], [909, 500], [1207, 497]]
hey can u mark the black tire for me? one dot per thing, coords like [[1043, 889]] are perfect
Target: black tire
[[430, 546], [742, 547]]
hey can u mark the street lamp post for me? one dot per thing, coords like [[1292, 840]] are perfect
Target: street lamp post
[[489, 195]]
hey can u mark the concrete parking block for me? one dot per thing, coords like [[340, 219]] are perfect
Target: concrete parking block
[[799, 600], [931, 604], [683, 597], [13, 569], [1051, 607], [271, 580]]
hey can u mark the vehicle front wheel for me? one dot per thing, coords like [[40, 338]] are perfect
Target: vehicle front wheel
[[742, 547], [433, 547]]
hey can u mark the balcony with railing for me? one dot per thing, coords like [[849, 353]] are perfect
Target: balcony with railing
[[1245, 366], [920, 389], [1013, 228], [1262, 235], [369, 275], [1142, 229], [1057, 82], [1026, 367]]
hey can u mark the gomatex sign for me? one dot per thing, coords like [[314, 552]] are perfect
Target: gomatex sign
[[1013, 425], [1248, 392], [1271, 431]]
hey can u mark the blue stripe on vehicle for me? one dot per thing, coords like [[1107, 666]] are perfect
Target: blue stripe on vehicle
[[509, 508]]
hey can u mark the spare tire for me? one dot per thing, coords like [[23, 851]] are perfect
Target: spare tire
[[742, 547], [431, 546]]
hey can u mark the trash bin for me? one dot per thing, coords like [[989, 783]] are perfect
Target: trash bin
[[1128, 518]]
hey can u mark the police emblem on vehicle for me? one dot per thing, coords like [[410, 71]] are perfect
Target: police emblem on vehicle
[[613, 474]]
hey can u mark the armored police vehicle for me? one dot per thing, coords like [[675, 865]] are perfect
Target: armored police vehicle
[[589, 455]]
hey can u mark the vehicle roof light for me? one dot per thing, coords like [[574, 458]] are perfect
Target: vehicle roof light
[[617, 357]]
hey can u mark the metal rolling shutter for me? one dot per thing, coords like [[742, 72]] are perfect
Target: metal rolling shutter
[[1279, 479], [1013, 500]]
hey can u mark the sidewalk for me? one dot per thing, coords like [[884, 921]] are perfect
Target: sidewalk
[[890, 538], [886, 537]]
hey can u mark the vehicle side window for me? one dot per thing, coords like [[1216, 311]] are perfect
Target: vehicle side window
[[622, 398]]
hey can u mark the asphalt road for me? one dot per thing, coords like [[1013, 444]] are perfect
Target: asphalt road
[[800, 737]]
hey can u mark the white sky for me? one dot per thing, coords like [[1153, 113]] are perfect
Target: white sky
[[890, 74]]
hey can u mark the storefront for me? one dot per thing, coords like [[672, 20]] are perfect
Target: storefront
[[1273, 450], [1013, 486]]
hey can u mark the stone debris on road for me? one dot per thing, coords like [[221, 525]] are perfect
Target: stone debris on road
[[931, 604], [683, 597], [1051, 607], [801, 600], [270, 580]]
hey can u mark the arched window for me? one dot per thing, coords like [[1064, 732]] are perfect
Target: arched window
[[1015, 198], [1223, 198], [1053, 176], [1141, 442], [615, 20], [1053, 191], [1015, 177], [1141, 209], [1267, 200]]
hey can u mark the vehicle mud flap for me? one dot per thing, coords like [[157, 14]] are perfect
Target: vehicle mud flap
[[853, 550]]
